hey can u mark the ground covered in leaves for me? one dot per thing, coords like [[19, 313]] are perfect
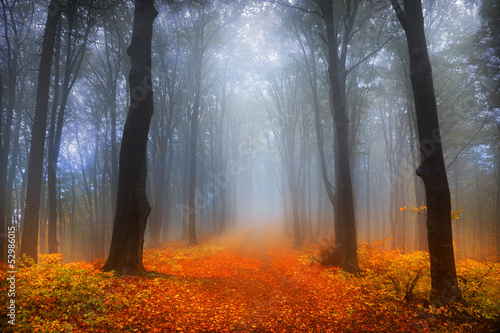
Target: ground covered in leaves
[[250, 280]]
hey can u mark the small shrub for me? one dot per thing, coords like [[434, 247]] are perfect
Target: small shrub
[[328, 254], [480, 286], [59, 293], [404, 275]]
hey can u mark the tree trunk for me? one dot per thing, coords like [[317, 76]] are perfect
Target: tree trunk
[[54, 141], [157, 213], [29, 240], [497, 226], [444, 285], [345, 226], [51, 164], [132, 207], [166, 197], [193, 138], [3, 224]]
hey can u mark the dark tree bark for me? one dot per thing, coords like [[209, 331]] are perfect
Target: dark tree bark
[[11, 52], [132, 207], [3, 225], [432, 170], [29, 240], [345, 226]]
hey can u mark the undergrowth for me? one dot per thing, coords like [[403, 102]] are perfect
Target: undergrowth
[[406, 277], [214, 287]]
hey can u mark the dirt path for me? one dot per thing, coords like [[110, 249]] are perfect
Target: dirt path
[[271, 290]]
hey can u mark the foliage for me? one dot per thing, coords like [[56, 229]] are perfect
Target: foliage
[[422, 210], [404, 275], [480, 286], [74, 291], [241, 282]]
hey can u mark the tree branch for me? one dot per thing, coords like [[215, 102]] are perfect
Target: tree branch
[[400, 14], [365, 58], [296, 7]]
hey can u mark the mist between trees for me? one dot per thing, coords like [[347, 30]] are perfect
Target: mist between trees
[[264, 113]]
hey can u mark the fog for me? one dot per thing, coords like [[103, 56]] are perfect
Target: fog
[[263, 72]]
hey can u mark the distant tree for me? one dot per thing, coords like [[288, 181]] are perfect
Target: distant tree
[[172, 83], [29, 240], [208, 20], [132, 207], [74, 54], [289, 124], [486, 56], [444, 284]]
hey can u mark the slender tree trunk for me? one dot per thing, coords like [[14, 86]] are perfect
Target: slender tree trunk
[[185, 188], [73, 217], [112, 78], [132, 207], [368, 183], [222, 162], [157, 213], [444, 284], [54, 141], [193, 138], [345, 226], [29, 240], [166, 197]]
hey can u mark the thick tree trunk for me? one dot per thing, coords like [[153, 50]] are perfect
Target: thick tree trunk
[[12, 53], [132, 207], [3, 224], [29, 240], [497, 227], [345, 225], [432, 170]]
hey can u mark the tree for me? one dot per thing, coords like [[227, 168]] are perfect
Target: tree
[[289, 122], [29, 240], [486, 53], [207, 22], [73, 59], [345, 225], [444, 284], [132, 207]]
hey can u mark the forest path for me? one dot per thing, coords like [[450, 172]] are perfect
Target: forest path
[[247, 280], [271, 287], [253, 275]]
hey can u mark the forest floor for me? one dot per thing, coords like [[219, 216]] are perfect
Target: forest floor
[[246, 280]]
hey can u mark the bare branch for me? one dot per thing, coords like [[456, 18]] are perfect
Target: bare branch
[[399, 13], [366, 58], [307, 11]]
